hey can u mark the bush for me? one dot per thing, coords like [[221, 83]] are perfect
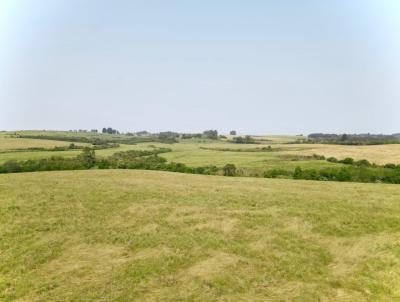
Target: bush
[[344, 175], [362, 163], [298, 173], [229, 170], [87, 157], [211, 134], [243, 140], [332, 159], [274, 173], [318, 157], [390, 166], [347, 161]]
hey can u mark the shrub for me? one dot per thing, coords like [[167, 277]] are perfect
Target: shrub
[[363, 163], [298, 173], [390, 166], [243, 140], [347, 161], [332, 159], [229, 170], [211, 134], [344, 175], [87, 157], [274, 173], [318, 157]]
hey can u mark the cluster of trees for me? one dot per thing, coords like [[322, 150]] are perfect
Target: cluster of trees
[[232, 132], [149, 160], [361, 163], [190, 135], [71, 146], [109, 130], [211, 134], [353, 139], [85, 160], [133, 159], [243, 140], [263, 149], [168, 137], [351, 173], [94, 140]]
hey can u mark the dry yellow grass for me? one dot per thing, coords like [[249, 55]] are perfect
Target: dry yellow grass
[[379, 154]]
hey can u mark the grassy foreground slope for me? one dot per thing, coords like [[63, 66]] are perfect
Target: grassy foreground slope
[[129, 235]]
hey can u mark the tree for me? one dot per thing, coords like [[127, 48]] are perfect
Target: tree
[[211, 134], [243, 140], [104, 130], [233, 132], [88, 157], [229, 170]]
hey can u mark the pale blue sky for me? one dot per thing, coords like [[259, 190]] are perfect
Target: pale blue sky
[[286, 66]]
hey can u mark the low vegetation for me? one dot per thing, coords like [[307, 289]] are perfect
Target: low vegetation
[[113, 234], [358, 171], [353, 139], [130, 235]]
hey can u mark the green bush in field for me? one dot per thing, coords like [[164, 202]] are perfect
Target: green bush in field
[[363, 163], [229, 170], [87, 157], [332, 159], [274, 173], [347, 161]]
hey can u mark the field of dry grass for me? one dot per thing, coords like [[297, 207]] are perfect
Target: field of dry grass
[[379, 154], [125, 235]]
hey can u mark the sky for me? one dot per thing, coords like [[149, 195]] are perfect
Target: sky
[[256, 66]]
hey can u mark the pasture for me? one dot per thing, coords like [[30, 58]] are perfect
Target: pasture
[[123, 235]]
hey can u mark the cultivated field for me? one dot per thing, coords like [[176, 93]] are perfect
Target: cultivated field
[[124, 235]]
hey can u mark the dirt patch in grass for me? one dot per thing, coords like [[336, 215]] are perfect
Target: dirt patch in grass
[[210, 267], [97, 259], [221, 225], [152, 253], [348, 254]]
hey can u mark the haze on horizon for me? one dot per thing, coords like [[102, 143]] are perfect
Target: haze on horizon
[[256, 67]]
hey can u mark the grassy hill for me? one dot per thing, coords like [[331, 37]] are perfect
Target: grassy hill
[[127, 235]]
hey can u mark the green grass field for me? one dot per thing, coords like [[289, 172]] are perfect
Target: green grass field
[[125, 235]]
